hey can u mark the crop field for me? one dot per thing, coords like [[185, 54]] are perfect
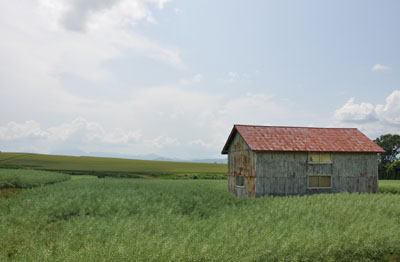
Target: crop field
[[103, 167], [15, 178], [91, 219]]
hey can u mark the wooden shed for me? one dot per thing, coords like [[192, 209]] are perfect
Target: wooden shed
[[273, 160]]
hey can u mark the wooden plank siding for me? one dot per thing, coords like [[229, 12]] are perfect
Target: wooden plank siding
[[241, 162], [285, 173], [281, 173], [356, 172]]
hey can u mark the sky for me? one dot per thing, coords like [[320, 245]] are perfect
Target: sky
[[172, 77]]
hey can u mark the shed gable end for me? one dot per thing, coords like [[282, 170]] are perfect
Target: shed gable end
[[241, 163], [238, 144]]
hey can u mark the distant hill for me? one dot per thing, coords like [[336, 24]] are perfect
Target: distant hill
[[140, 157], [211, 160]]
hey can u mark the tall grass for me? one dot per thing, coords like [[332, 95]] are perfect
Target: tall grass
[[193, 220], [15, 178]]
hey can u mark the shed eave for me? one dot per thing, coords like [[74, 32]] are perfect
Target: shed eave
[[225, 149]]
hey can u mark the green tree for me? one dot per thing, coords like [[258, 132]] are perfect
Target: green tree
[[387, 167], [393, 170], [391, 143]]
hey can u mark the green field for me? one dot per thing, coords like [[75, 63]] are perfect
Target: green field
[[389, 186], [17, 178], [112, 166], [90, 219]]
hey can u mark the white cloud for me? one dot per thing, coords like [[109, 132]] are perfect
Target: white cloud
[[375, 120], [195, 79], [120, 136], [78, 135], [231, 77], [365, 112], [77, 37], [380, 68], [352, 112], [199, 142], [38, 38], [161, 141], [37, 48], [28, 129], [170, 121], [390, 112], [256, 108], [161, 3], [83, 15]]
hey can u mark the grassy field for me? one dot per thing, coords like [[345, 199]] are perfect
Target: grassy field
[[389, 186], [113, 166], [16, 178], [90, 219]]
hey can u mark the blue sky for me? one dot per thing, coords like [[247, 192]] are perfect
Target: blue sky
[[172, 77]]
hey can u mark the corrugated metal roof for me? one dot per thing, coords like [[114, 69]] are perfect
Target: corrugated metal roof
[[303, 139]]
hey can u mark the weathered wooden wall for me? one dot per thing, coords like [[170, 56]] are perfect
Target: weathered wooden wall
[[355, 172], [241, 162], [282, 173]]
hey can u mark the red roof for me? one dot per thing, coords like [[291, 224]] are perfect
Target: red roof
[[303, 139]]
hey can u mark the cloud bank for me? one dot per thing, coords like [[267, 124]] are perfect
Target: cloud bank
[[374, 119], [46, 39], [181, 123]]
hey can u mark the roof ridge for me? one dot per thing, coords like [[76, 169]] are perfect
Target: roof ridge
[[299, 127]]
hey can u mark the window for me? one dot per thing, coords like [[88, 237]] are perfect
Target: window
[[319, 181], [319, 158], [325, 158], [239, 180]]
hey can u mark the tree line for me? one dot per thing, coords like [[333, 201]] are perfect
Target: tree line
[[389, 162]]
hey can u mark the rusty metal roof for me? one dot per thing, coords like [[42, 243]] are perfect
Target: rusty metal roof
[[303, 139]]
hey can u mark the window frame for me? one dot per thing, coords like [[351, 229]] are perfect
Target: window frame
[[318, 187], [319, 158], [236, 180]]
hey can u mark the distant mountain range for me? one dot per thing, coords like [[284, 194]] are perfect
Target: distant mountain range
[[140, 157]]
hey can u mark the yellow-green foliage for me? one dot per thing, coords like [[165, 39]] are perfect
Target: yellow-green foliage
[[17, 178], [108, 166], [193, 220], [389, 186]]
